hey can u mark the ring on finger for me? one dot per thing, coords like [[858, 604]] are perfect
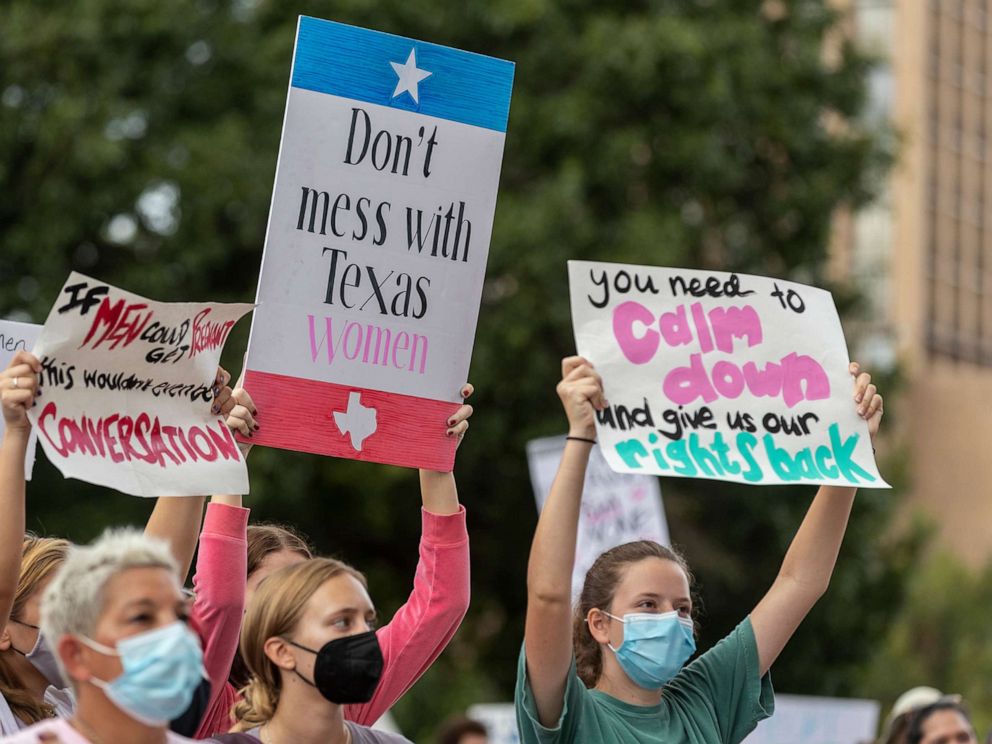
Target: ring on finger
[[15, 384]]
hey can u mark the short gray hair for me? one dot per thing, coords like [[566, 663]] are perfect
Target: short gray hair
[[73, 601]]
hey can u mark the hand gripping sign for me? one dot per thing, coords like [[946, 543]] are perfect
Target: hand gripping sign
[[16, 337], [723, 376], [128, 390], [377, 243]]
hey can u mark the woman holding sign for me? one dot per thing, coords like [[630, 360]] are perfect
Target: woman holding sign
[[613, 671], [31, 685], [420, 630]]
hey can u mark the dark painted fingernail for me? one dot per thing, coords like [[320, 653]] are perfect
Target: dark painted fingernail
[[215, 410], [451, 422], [216, 390], [257, 427], [38, 393]]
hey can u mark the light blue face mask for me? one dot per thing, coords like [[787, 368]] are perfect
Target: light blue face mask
[[162, 669], [654, 648]]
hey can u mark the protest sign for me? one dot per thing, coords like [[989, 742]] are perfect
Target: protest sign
[[723, 376], [377, 243], [616, 507], [818, 720], [15, 337], [500, 720], [127, 392]]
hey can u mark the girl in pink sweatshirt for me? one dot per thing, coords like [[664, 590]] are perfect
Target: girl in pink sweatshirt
[[420, 629]]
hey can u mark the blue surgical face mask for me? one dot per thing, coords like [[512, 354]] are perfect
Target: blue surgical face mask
[[162, 669], [654, 648]]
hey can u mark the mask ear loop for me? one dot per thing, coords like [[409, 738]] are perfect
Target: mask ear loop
[[308, 650], [612, 617]]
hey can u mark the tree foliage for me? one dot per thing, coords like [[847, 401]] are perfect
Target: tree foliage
[[138, 142]]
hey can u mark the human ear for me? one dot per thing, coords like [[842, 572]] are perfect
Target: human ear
[[70, 651], [599, 625], [5, 642], [277, 650]]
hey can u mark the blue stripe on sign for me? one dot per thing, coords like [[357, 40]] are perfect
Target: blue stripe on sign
[[353, 62]]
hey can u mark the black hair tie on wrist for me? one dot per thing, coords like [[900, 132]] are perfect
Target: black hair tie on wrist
[[582, 439]]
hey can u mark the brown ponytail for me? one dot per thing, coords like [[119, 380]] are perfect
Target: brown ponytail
[[597, 592]]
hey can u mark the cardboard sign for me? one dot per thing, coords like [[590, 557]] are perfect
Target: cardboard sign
[[15, 337], [377, 244], [616, 507], [128, 390], [818, 720], [724, 376]]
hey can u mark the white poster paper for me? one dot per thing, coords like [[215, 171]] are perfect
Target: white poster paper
[[616, 507], [16, 337], [128, 389], [818, 720], [723, 376]]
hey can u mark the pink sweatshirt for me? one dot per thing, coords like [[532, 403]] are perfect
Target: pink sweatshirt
[[219, 606], [418, 632]]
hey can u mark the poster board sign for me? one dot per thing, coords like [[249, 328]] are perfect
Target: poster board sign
[[500, 720], [128, 389], [16, 337], [723, 376], [818, 720], [616, 507], [376, 248]]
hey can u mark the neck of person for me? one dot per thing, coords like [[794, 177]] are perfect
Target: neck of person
[[615, 683], [102, 722], [30, 679], [304, 716]]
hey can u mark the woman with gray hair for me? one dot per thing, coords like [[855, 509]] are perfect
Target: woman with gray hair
[[118, 623]]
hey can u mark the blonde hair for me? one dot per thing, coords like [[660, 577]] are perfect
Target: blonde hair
[[40, 557], [265, 539], [274, 610]]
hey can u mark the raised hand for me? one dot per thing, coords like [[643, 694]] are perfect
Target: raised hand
[[19, 387]]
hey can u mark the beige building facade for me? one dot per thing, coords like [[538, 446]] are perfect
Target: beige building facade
[[923, 254]]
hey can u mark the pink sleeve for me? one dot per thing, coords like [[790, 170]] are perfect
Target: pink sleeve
[[219, 583], [422, 627]]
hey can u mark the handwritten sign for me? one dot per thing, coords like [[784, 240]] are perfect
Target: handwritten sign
[[616, 507], [15, 337], [723, 376], [377, 244], [818, 720], [128, 391]]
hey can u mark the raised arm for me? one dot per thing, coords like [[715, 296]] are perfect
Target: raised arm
[[425, 624], [810, 560], [548, 630], [18, 389], [177, 519]]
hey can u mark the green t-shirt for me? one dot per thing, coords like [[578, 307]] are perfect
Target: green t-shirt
[[717, 699]]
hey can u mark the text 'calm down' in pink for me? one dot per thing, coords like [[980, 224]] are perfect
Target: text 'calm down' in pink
[[796, 377]]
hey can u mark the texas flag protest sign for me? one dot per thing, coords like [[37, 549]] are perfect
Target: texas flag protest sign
[[377, 243], [127, 391], [723, 376]]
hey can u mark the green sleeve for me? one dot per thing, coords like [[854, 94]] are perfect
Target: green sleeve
[[528, 723], [724, 685]]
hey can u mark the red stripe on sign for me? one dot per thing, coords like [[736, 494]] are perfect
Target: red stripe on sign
[[329, 419]]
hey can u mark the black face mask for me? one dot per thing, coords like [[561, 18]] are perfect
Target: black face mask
[[347, 670]]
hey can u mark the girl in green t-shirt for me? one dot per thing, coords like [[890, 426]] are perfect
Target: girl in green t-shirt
[[613, 671]]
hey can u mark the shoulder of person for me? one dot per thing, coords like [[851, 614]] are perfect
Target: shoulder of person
[[239, 738]]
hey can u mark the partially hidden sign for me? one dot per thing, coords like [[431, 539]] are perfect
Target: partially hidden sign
[[377, 243], [127, 390], [724, 376], [15, 337]]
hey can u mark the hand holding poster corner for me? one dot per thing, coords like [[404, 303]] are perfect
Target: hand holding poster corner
[[15, 337], [377, 243], [723, 376], [128, 390]]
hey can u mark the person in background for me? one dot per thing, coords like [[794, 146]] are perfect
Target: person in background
[[942, 722], [906, 705], [612, 671], [118, 623], [462, 730]]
